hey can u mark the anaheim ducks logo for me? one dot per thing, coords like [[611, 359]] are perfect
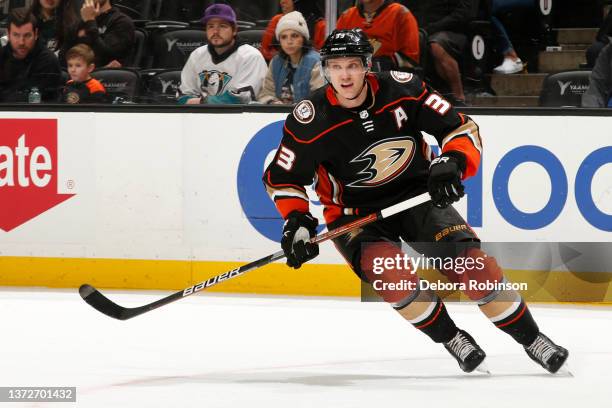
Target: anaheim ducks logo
[[73, 97], [385, 160]]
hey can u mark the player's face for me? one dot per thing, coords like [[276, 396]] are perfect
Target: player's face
[[220, 33], [346, 74], [286, 6], [291, 42], [22, 39], [79, 70]]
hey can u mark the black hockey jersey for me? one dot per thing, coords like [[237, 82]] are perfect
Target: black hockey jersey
[[371, 157]]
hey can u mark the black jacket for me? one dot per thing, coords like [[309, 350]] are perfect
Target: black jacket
[[39, 69], [110, 35], [443, 15]]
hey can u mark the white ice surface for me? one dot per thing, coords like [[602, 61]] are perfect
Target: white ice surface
[[249, 352]]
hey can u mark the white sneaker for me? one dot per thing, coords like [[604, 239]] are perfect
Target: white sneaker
[[509, 66]]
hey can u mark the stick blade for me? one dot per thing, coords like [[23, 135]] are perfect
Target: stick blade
[[101, 303]]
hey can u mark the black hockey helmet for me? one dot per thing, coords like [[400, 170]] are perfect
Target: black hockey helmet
[[347, 43]]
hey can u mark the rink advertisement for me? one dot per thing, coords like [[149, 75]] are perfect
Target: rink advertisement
[[168, 200]]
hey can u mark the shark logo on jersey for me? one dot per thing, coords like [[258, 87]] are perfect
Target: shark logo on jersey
[[385, 160], [214, 82]]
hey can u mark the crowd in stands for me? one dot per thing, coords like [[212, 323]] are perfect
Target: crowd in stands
[[59, 47]]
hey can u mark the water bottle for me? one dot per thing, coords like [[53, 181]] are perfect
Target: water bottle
[[34, 95]]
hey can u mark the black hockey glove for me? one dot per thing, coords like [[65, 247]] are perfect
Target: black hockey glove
[[444, 183], [297, 231]]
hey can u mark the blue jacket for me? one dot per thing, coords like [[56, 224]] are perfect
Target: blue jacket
[[301, 78]]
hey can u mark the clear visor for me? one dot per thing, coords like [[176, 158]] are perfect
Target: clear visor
[[352, 66]]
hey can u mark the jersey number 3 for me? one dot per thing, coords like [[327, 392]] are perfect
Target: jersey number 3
[[437, 104], [286, 157]]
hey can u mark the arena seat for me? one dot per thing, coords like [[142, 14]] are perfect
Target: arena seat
[[172, 48], [140, 9], [564, 88], [163, 86], [136, 57], [122, 84], [251, 37]]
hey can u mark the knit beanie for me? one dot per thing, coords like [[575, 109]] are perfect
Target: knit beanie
[[292, 21]]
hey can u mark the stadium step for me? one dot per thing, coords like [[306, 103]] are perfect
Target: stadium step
[[556, 61], [576, 35], [504, 101], [517, 84]]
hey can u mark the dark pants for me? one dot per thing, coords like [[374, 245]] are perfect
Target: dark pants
[[426, 228]]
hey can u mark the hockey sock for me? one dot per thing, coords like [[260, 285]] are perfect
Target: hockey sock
[[513, 318], [435, 321]]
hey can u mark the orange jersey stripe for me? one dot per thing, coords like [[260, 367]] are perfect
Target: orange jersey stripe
[[464, 145], [287, 205]]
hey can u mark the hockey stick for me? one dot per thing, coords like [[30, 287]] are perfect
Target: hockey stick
[[104, 305]]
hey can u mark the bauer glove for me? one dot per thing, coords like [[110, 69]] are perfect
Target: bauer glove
[[444, 183], [297, 231]]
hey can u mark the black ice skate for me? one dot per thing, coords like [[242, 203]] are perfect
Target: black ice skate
[[546, 353], [468, 354]]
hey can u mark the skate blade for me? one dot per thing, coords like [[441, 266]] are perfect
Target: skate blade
[[482, 368], [564, 371]]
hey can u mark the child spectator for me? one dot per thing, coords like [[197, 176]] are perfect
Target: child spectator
[[82, 88], [296, 70]]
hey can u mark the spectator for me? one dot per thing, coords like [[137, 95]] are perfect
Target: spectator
[[599, 93], [108, 32], [82, 88], [602, 39], [392, 29], [296, 70], [223, 71], [512, 64], [25, 63], [315, 20], [445, 22], [47, 11], [268, 43]]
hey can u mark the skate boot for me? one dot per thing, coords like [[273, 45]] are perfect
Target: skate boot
[[465, 350], [546, 353]]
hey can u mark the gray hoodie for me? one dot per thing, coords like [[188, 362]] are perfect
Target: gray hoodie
[[600, 83]]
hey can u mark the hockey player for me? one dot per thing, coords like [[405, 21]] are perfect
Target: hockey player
[[359, 140]]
